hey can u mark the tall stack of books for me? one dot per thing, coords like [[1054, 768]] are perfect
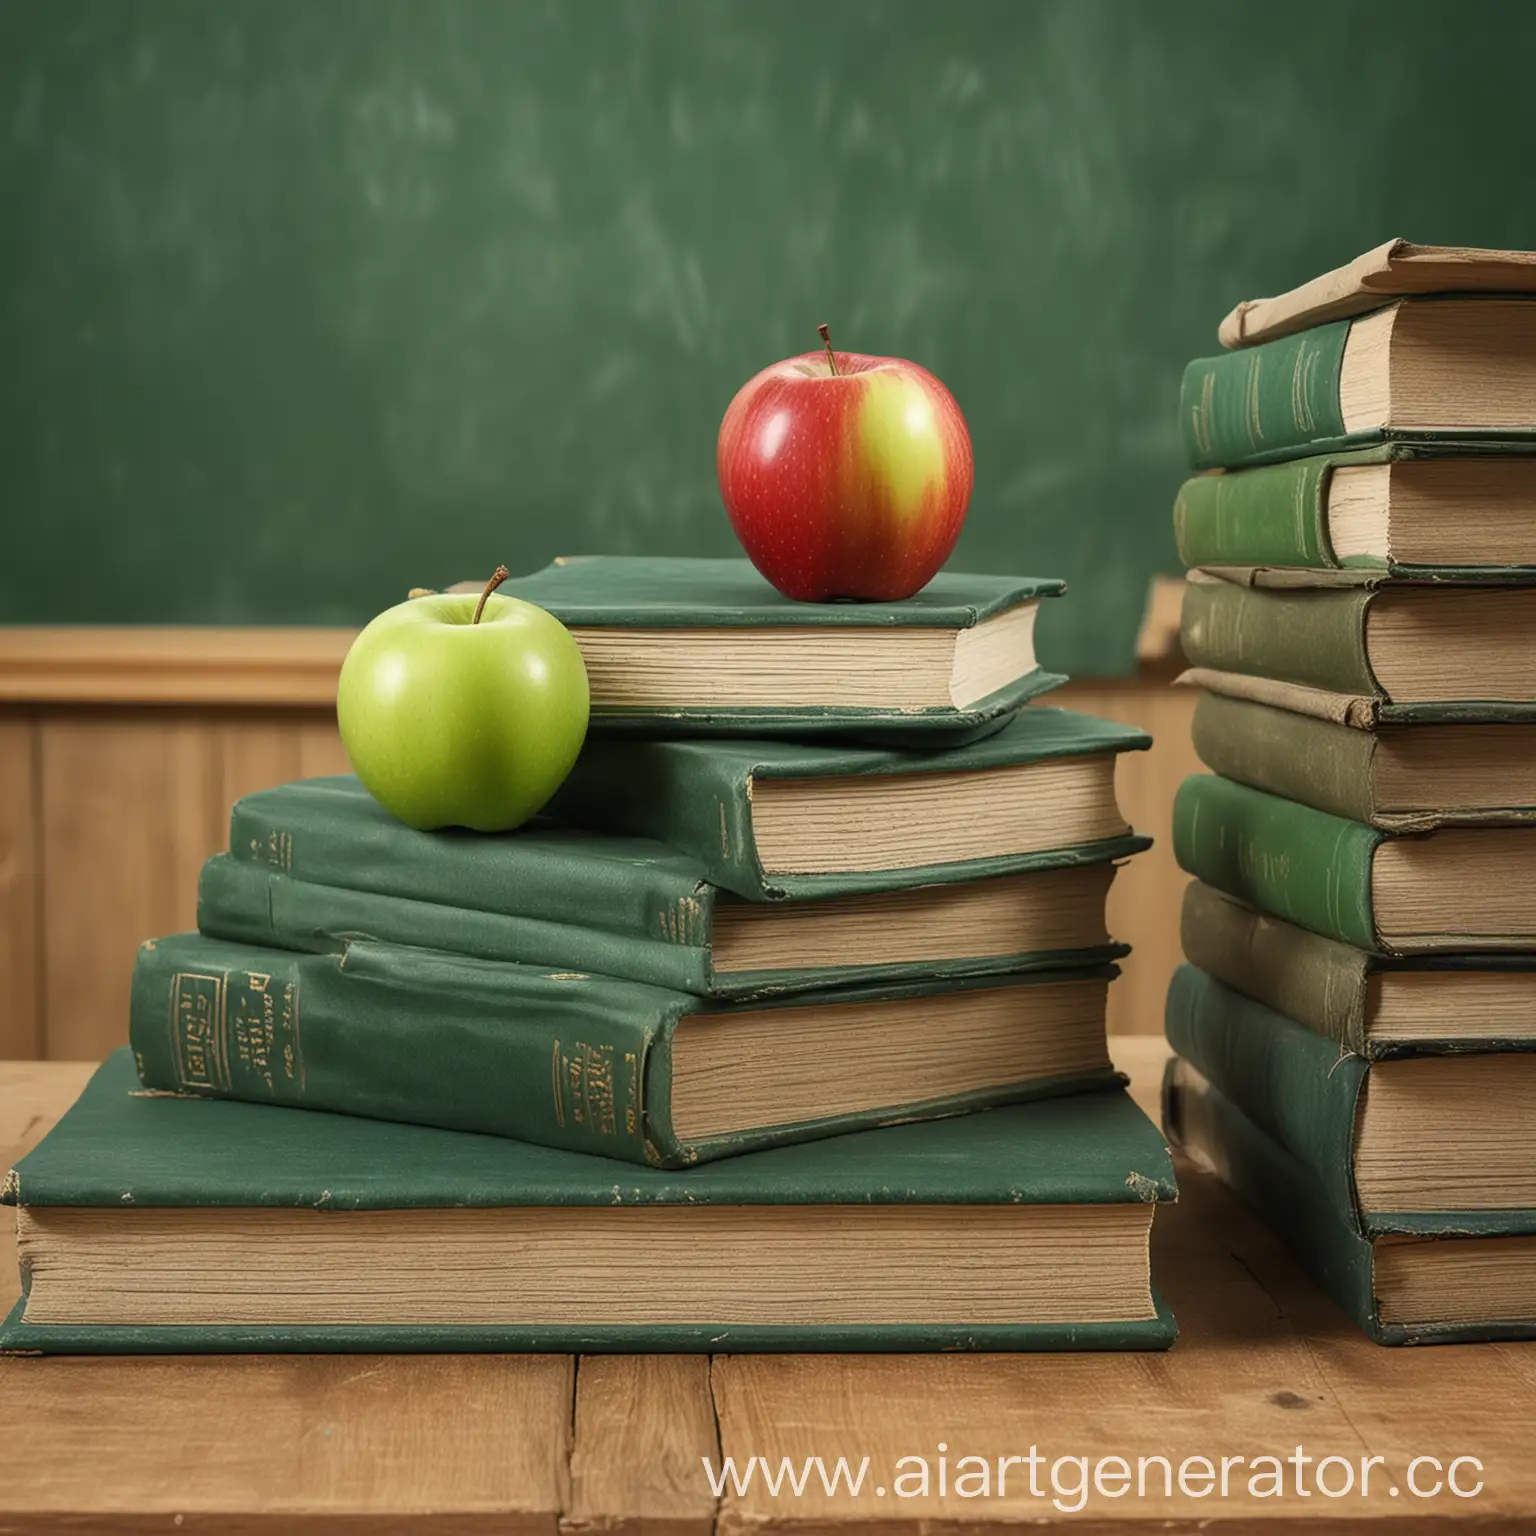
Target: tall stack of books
[[1356, 1028], [785, 1029]]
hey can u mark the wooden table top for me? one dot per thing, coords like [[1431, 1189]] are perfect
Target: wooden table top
[[1264, 1364]]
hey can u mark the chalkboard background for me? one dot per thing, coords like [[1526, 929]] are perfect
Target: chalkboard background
[[304, 302]]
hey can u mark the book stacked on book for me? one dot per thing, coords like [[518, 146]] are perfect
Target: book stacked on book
[[784, 1028], [1356, 1029]]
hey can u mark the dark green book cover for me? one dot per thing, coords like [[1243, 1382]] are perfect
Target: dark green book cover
[[1279, 400], [1321, 763], [317, 862], [1299, 1088], [567, 1059], [119, 1147], [1275, 516], [698, 796], [1311, 637], [616, 592], [1289, 1197], [1321, 982]]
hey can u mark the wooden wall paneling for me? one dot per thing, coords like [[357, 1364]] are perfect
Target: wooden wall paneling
[[255, 751], [1144, 901], [132, 802], [21, 997], [320, 749]]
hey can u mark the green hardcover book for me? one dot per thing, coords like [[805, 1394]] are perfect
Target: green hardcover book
[[158, 1223], [1404, 778], [1458, 888], [708, 647], [771, 819], [1399, 1287], [594, 1064], [1419, 370], [315, 863], [1404, 510], [1370, 1004], [1395, 654], [1426, 1144]]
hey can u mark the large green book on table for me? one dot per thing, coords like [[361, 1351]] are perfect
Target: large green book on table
[[1444, 512], [1400, 1287], [1393, 653], [1370, 1004], [775, 819], [595, 1064], [1402, 778], [160, 1223], [1420, 369], [1455, 888], [708, 647], [318, 862]]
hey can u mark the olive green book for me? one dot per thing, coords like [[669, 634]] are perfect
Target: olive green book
[[1394, 653], [1457, 512], [316, 863], [1455, 888], [1370, 1004], [708, 647], [593, 1063], [776, 819], [154, 1223], [1417, 370], [1402, 778], [1420, 1144], [1398, 1287]]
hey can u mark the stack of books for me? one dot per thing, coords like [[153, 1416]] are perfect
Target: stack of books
[[1356, 1028], [784, 1028]]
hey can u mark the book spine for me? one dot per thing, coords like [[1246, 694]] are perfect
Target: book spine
[[1281, 397], [675, 793], [1300, 757], [1292, 1083], [1289, 860], [250, 904], [1315, 638], [1316, 981], [399, 1034], [1279, 1189], [316, 835], [1273, 515]]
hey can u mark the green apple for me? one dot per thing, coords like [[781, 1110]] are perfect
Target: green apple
[[460, 710]]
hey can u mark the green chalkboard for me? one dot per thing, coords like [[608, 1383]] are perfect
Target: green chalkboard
[[304, 302]]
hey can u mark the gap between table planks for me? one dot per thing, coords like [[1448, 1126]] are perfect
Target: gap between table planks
[[614, 1443]]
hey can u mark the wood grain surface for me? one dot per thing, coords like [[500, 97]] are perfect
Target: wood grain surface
[[447, 1444]]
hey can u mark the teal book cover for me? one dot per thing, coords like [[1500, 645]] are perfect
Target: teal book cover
[[593, 1063], [127, 1161], [682, 646], [317, 862], [774, 819]]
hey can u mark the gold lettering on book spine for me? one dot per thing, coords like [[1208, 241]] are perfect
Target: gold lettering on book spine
[[582, 1079], [198, 1026]]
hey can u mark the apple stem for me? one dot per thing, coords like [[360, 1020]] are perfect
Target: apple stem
[[498, 576], [826, 336]]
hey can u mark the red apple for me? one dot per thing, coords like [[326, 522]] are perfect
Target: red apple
[[845, 475]]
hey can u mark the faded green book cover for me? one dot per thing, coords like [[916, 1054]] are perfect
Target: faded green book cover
[[1289, 1197], [1300, 1089], [1326, 984], [615, 593], [1324, 764], [1275, 516], [698, 796], [319, 861], [119, 1150], [1314, 638], [1279, 400], [571, 1060]]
